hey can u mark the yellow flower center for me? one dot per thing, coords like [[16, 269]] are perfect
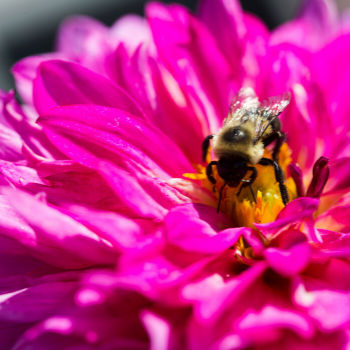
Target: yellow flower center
[[242, 209]]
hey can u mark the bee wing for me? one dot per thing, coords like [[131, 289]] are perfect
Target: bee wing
[[244, 102], [269, 110]]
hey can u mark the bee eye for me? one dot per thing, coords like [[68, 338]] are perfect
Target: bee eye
[[234, 135]]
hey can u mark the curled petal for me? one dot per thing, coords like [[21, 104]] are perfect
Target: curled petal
[[297, 175], [291, 259], [196, 227], [320, 178]]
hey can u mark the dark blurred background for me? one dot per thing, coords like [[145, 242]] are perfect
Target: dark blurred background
[[28, 27]]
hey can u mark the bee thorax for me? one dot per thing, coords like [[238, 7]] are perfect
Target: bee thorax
[[246, 150]]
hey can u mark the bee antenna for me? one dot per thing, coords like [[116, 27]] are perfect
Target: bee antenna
[[220, 196], [253, 194]]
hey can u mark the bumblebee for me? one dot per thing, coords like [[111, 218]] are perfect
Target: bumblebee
[[249, 127]]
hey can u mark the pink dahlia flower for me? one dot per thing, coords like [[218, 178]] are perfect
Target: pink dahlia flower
[[109, 236]]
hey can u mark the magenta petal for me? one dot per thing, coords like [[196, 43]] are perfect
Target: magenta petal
[[339, 181], [212, 296], [190, 52], [90, 133], [63, 83], [196, 227], [132, 197], [56, 238], [121, 231], [25, 71], [10, 144], [297, 175], [288, 262], [334, 244], [14, 267], [20, 175], [30, 133], [320, 178]]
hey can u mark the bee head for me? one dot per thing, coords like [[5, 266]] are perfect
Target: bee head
[[237, 134]]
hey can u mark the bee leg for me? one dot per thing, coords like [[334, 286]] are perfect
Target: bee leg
[[279, 178], [279, 143], [280, 137], [248, 183], [209, 173], [205, 146], [220, 196]]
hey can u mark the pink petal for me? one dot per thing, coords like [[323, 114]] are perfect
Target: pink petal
[[30, 133], [35, 303], [225, 20], [132, 31], [73, 33], [90, 133], [196, 227], [174, 110], [121, 231], [56, 238], [20, 175], [10, 144], [288, 262], [336, 219], [315, 24], [189, 53], [63, 83], [330, 309], [77, 184], [298, 113], [335, 245]]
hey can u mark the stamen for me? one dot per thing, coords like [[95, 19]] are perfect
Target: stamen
[[259, 202]]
